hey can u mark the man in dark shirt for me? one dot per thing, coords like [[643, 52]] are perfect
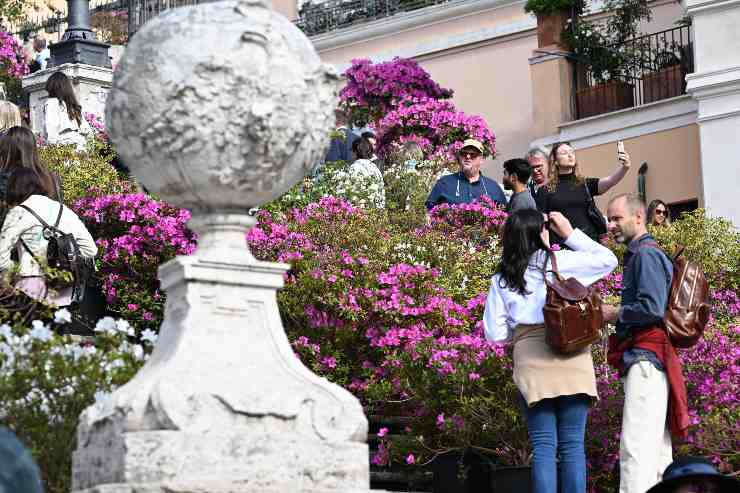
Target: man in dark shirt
[[645, 444], [468, 184], [516, 175]]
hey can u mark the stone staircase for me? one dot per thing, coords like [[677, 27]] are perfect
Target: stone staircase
[[402, 478]]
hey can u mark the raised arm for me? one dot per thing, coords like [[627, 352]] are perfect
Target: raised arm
[[587, 260], [606, 183]]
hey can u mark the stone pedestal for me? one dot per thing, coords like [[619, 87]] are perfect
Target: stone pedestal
[[91, 83], [715, 84], [223, 404]]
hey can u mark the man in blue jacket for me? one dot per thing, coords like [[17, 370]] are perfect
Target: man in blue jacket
[[468, 184]]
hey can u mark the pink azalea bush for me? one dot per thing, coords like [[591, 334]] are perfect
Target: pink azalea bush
[[437, 126], [135, 234], [13, 65], [372, 90]]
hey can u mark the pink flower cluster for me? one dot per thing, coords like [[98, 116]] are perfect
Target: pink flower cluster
[[437, 126], [12, 58], [135, 234], [375, 89], [98, 126]]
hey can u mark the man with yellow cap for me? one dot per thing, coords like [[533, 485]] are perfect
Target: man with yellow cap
[[468, 184]]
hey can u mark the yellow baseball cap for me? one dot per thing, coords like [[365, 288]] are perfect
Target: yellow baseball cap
[[474, 144]]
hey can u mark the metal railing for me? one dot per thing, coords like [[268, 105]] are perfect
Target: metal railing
[[141, 11], [637, 72], [336, 14], [56, 21]]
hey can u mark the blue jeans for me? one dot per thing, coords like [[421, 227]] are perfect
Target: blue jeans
[[556, 428]]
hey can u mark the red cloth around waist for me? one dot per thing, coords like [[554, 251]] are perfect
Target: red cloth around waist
[[656, 340]]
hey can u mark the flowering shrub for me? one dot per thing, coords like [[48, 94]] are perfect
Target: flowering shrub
[[437, 126], [372, 90], [13, 65], [98, 126], [83, 175], [111, 26], [47, 380], [135, 234]]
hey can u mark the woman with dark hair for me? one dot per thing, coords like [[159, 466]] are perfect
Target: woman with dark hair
[[571, 194], [23, 232], [18, 150], [558, 390], [63, 120], [364, 167], [658, 214]]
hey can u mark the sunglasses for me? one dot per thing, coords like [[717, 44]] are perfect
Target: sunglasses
[[469, 155], [700, 487], [660, 212]]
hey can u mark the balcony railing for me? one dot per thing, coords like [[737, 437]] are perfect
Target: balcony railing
[[640, 71], [336, 14]]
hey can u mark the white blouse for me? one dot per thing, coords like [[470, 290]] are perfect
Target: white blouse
[[59, 128], [19, 223], [505, 309]]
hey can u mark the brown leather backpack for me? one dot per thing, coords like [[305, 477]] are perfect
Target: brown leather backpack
[[573, 318], [687, 312]]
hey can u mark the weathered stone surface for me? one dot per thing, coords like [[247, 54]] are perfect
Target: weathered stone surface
[[231, 90], [223, 404]]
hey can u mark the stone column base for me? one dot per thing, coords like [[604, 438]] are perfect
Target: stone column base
[[253, 462]]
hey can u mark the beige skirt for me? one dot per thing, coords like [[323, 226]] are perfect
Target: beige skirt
[[539, 373]]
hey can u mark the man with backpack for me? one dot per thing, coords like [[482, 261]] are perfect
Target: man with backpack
[[642, 351]]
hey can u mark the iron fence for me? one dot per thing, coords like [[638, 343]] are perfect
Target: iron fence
[[140, 11], [56, 21], [327, 16], [637, 72]]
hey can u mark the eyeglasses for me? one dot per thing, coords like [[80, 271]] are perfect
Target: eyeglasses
[[699, 487], [469, 155], [660, 212]]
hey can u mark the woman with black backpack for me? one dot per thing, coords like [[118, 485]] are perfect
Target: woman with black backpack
[[557, 389], [33, 223]]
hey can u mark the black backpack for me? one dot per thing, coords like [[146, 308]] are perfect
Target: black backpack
[[63, 253]]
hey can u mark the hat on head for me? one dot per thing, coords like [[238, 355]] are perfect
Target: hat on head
[[688, 468], [18, 471], [474, 144]]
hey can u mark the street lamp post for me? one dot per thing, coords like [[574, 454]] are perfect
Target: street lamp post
[[79, 43]]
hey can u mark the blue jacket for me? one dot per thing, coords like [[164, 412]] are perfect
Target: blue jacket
[[341, 149], [646, 285], [456, 189]]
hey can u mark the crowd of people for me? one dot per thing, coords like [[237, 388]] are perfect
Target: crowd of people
[[31, 195]]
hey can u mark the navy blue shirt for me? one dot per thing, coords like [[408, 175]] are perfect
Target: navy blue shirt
[[646, 285], [456, 189]]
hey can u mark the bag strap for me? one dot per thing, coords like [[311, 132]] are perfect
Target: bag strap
[[43, 223], [553, 261]]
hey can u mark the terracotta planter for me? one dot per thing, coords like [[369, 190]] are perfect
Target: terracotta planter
[[604, 98], [662, 84], [550, 29]]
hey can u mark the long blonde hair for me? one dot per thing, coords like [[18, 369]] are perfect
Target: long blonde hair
[[553, 172], [10, 116]]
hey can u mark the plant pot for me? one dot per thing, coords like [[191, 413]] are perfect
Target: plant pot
[[511, 479], [662, 84], [550, 28], [604, 98], [461, 472]]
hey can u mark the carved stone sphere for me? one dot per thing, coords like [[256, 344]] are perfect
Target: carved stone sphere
[[222, 106]]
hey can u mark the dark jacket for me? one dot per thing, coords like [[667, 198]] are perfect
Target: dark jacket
[[456, 189]]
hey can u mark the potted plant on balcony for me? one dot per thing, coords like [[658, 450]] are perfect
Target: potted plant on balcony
[[666, 80], [552, 16], [605, 59]]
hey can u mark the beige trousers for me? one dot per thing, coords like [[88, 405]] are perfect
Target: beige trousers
[[645, 445]]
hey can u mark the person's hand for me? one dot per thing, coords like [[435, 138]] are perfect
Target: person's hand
[[624, 159], [610, 313], [560, 225]]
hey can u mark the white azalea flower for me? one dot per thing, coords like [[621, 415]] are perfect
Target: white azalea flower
[[62, 316], [148, 335], [40, 332], [124, 327], [106, 324], [6, 332]]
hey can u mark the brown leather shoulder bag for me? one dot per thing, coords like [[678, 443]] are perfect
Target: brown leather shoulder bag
[[573, 318]]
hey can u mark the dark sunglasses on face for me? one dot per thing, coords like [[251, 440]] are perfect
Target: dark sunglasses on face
[[469, 155], [660, 212]]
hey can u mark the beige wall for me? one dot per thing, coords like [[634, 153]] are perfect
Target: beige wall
[[673, 165]]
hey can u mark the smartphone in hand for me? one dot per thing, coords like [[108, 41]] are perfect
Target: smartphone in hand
[[620, 147]]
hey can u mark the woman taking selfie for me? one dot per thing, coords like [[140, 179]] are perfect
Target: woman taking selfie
[[571, 194], [558, 390]]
